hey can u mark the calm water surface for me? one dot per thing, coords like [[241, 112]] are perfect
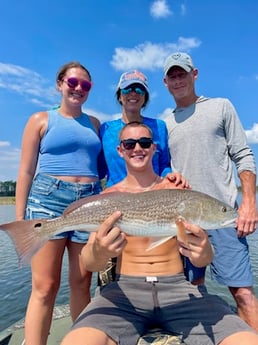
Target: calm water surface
[[15, 281]]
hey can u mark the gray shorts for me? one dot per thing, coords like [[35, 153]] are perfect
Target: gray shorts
[[128, 307]]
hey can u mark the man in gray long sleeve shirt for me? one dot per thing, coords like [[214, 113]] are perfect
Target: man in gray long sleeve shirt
[[205, 139]]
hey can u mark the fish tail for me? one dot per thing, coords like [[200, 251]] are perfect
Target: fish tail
[[25, 239]]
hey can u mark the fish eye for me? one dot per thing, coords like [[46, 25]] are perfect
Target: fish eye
[[38, 225], [224, 209]]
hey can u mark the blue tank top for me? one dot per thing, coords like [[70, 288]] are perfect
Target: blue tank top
[[69, 147]]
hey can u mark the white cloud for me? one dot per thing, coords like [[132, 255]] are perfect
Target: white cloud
[[9, 162], [252, 134], [101, 116], [27, 83], [148, 55], [17, 71], [165, 113], [4, 143], [42, 103], [160, 9]]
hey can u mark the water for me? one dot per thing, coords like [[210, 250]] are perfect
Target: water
[[15, 281]]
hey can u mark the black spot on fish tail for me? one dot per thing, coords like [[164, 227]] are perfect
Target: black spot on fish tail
[[26, 239]]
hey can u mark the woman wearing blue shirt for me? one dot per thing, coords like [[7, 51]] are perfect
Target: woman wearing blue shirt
[[133, 95]]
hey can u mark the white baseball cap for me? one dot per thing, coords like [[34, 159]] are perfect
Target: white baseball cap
[[182, 60]]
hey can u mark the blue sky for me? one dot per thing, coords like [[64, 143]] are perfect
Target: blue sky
[[110, 37]]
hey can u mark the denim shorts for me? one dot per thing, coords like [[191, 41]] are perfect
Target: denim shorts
[[49, 197]]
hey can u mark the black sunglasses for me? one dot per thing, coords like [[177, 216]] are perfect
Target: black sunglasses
[[72, 83], [129, 144]]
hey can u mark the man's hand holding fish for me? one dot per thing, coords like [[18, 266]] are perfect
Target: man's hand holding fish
[[108, 242], [194, 243]]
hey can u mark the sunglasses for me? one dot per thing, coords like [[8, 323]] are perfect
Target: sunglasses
[[129, 144], [72, 83], [138, 90]]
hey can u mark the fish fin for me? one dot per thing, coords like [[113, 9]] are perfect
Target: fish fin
[[157, 241], [25, 239], [92, 198], [181, 230]]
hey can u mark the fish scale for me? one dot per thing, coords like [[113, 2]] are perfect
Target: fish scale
[[150, 214], [142, 213]]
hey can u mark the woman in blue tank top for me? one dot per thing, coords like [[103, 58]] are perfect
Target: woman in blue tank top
[[63, 146]]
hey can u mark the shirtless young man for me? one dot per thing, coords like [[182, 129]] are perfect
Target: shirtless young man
[[150, 287]]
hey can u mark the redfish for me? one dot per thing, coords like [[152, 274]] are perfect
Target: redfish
[[148, 214]]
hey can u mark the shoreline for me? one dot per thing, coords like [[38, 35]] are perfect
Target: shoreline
[[10, 200], [7, 200]]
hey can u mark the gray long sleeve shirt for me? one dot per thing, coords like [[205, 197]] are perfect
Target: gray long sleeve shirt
[[205, 139]]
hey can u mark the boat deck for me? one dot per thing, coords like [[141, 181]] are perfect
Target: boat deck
[[15, 335]]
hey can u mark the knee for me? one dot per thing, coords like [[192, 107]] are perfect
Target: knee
[[45, 290], [85, 335], [243, 295]]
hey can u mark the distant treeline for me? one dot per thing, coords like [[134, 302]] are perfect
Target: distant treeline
[[7, 188]]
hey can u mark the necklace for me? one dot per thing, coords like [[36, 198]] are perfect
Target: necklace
[[143, 189]]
